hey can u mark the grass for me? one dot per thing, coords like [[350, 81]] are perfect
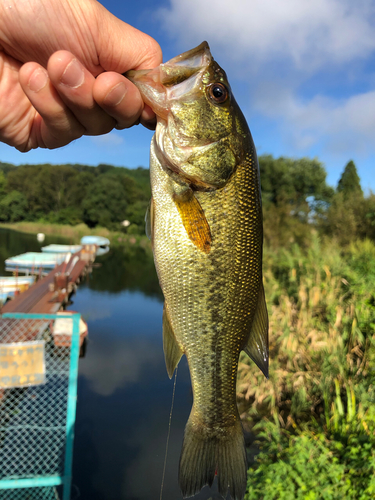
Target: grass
[[315, 416]]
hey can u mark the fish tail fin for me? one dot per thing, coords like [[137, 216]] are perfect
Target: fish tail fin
[[206, 453]]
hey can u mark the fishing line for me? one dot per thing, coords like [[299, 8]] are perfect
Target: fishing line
[[169, 432]]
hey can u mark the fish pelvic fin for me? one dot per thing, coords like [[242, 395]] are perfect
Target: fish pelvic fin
[[206, 453], [172, 351], [257, 345], [194, 220]]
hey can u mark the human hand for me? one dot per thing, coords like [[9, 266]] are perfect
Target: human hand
[[49, 96]]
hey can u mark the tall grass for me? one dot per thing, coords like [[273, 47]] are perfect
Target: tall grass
[[315, 416], [322, 328]]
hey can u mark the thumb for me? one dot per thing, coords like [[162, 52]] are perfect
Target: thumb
[[122, 47]]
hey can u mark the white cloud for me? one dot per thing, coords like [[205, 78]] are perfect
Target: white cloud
[[109, 140], [339, 125], [310, 34], [112, 367], [290, 52]]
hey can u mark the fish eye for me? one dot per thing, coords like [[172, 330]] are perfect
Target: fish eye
[[218, 93]]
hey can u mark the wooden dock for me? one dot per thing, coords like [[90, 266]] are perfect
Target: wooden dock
[[50, 293]]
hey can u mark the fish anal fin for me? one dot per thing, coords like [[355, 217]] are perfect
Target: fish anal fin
[[194, 220], [257, 345], [172, 351], [149, 220]]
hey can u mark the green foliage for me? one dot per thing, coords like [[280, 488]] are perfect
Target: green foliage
[[293, 193], [315, 416], [297, 202], [349, 217], [322, 328], [13, 207], [313, 463], [2, 184], [70, 194], [349, 182], [293, 181]]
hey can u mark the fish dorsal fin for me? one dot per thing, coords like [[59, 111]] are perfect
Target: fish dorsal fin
[[194, 219], [172, 351], [257, 344], [149, 220]]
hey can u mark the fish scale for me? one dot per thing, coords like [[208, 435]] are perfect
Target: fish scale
[[206, 227]]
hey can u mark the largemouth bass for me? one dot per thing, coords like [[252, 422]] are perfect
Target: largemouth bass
[[205, 223]]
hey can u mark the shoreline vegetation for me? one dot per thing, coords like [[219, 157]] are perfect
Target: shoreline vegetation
[[74, 233], [314, 419]]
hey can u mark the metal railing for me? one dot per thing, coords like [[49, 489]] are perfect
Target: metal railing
[[38, 394]]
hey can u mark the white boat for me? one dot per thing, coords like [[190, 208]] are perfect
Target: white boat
[[34, 260], [15, 283], [61, 248], [10, 285], [100, 241]]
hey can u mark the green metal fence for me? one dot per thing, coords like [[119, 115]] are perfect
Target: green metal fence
[[37, 411]]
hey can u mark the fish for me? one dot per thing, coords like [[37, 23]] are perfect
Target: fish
[[205, 224]]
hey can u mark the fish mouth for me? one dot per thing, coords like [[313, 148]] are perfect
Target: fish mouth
[[160, 88], [161, 85]]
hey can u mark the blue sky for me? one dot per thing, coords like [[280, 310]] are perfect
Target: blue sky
[[303, 73]]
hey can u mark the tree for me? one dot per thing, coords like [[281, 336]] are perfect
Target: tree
[[13, 207], [2, 184], [286, 180], [107, 200], [349, 182]]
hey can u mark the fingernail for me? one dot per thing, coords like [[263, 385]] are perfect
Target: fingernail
[[38, 80], [116, 95], [73, 75]]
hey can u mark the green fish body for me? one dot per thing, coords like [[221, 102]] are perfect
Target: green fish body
[[205, 222]]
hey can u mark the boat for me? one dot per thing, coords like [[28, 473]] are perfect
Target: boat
[[12, 285], [62, 330], [61, 248], [15, 282], [99, 241], [33, 261]]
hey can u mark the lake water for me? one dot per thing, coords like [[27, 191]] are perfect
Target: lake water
[[124, 393]]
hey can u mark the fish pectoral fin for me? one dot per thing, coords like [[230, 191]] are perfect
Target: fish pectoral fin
[[172, 351], [257, 344], [194, 220], [149, 220]]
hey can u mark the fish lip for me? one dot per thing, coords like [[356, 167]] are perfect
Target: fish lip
[[191, 54], [156, 85]]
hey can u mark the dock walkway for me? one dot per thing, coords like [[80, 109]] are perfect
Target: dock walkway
[[48, 294]]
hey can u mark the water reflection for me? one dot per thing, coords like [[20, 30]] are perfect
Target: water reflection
[[124, 397], [130, 270]]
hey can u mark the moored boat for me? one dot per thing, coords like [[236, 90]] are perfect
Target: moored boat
[[61, 248], [33, 261]]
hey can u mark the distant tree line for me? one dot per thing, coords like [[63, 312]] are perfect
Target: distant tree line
[[297, 201], [296, 198], [70, 194]]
